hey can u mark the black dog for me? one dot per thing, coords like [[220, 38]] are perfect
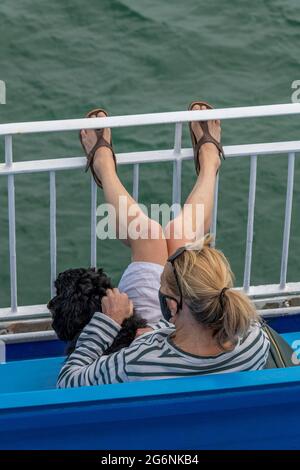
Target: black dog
[[78, 297]]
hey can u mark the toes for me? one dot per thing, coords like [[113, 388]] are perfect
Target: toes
[[198, 107], [96, 114]]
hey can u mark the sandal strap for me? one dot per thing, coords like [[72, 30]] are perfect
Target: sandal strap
[[101, 142], [91, 158], [206, 138]]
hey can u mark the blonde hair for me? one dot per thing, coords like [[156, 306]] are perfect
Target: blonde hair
[[206, 282]]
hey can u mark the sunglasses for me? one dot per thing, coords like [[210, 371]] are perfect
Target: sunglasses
[[163, 298]]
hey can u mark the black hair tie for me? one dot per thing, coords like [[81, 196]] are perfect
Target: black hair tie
[[221, 296]]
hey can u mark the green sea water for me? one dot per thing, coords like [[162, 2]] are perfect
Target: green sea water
[[63, 57]]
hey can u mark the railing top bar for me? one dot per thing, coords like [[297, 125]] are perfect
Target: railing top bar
[[69, 163], [147, 119]]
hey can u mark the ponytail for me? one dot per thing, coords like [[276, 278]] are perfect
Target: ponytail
[[235, 319], [206, 281]]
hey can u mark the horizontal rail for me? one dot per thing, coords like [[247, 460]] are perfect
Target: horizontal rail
[[33, 336], [26, 312], [273, 290], [148, 119], [14, 338], [269, 291], [279, 312], [73, 163]]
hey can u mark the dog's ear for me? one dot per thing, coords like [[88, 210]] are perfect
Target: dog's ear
[[70, 315], [59, 319]]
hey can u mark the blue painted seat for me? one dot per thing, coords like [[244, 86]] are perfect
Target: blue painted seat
[[34, 374], [244, 410], [41, 374]]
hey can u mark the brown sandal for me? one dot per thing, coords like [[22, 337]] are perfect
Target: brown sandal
[[207, 137], [101, 142]]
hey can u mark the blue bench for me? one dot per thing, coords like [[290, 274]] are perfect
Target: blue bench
[[226, 411]]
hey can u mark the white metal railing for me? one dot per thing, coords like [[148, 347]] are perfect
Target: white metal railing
[[177, 155]]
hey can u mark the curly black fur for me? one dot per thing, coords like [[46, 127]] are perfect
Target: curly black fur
[[78, 296]]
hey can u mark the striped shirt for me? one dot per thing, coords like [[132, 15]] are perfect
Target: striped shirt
[[151, 356]]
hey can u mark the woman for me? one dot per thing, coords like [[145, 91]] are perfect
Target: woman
[[208, 327]]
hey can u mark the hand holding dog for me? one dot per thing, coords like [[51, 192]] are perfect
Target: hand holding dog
[[117, 305]]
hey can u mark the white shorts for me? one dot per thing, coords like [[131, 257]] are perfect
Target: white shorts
[[141, 282]]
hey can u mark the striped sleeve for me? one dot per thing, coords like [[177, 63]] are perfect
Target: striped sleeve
[[87, 365]]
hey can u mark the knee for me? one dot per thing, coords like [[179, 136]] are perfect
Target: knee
[[145, 229]]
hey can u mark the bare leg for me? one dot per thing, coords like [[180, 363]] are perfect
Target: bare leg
[[202, 193], [151, 246]]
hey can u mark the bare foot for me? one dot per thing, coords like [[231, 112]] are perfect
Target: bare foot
[[89, 139], [208, 153]]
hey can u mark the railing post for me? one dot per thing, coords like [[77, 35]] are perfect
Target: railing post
[[53, 248], [93, 223], [250, 224], [177, 167], [287, 220], [135, 185], [12, 225]]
